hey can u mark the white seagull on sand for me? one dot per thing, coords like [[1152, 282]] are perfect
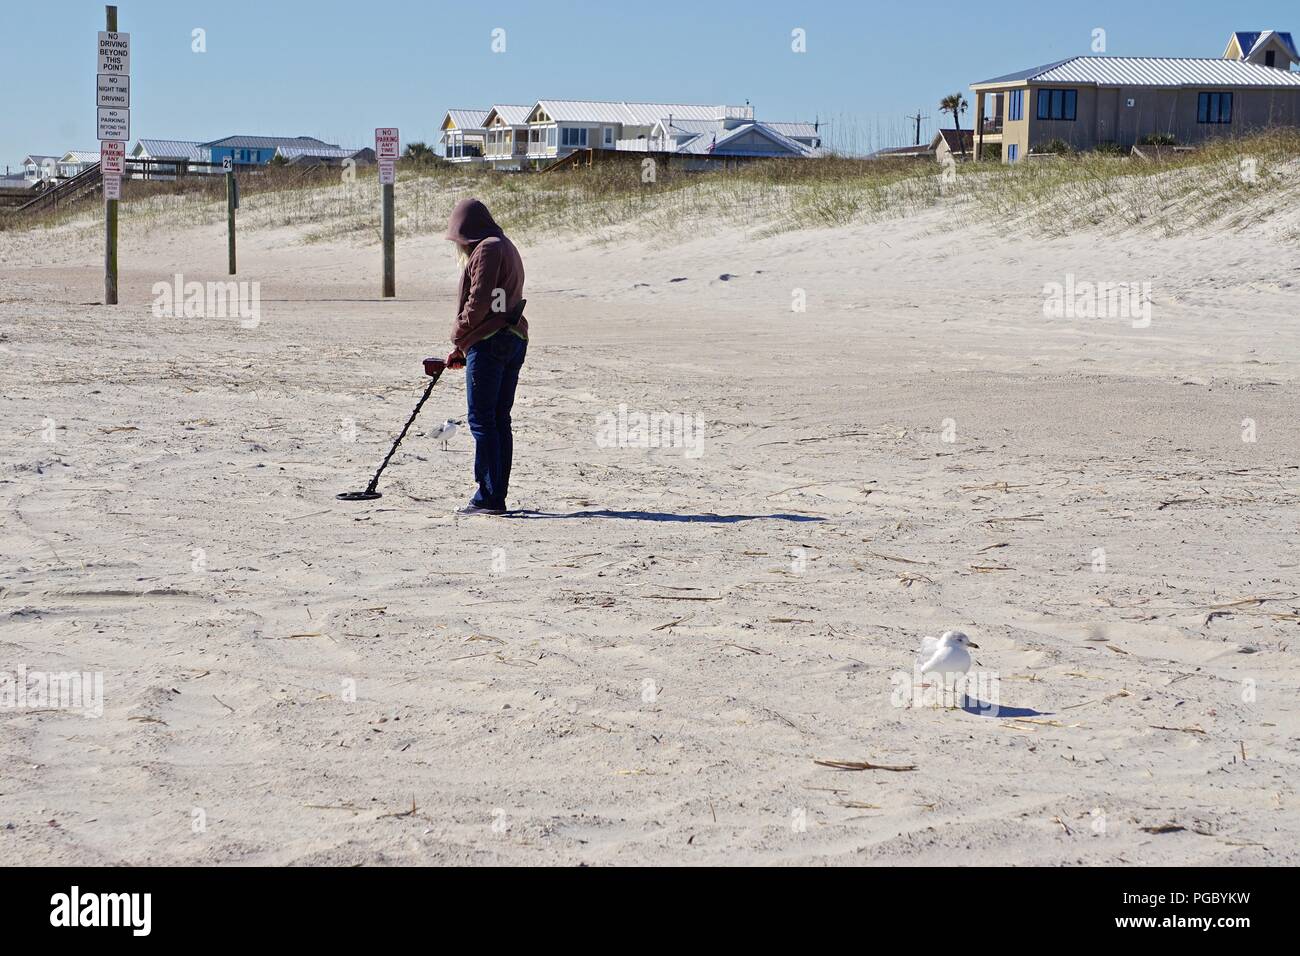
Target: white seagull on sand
[[947, 657], [445, 431]]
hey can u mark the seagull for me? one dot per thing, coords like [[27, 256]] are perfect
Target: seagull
[[947, 657], [445, 431]]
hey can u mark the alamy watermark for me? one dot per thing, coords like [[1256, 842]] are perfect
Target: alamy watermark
[[1073, 299], [628, 429], [77, 692], [977, 690], [208, 300]]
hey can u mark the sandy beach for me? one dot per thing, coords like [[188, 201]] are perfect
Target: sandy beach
[[645, 663]]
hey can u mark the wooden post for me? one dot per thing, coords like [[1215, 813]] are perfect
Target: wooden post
[[390, 253], [231, 186], [110, 207]]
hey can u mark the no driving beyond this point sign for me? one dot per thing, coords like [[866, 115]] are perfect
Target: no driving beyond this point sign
[[114, 53]]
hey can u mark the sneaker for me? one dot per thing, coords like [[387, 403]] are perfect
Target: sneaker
[[476, 510]]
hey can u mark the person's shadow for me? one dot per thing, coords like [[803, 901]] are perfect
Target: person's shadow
[[664, 516]]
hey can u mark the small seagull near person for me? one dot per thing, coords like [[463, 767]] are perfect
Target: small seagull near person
[[445, 431], [947, 657]]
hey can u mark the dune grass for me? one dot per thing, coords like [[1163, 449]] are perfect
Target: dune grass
[[1229, 183]]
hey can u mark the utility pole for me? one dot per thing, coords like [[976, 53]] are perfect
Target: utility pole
[[917, 119]]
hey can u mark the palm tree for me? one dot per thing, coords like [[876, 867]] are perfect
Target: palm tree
[[955, 104], [419, 153]]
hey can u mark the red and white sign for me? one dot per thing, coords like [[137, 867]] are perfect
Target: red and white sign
[[112, 186], [112, 158], [387, 143], [387, 172]]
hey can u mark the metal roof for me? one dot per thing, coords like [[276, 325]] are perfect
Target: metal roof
[[168, 149], [38, 158], [701, 143], [80, 156], [628, 114], [1153, 71], [1021, 75], [265, 142], [513, 113], [320, 152], [806, 130], [1252, 40], [467, 120]]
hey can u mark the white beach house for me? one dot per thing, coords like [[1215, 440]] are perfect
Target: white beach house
[[557, 128], [76, 161], [165, 156], [463, 135], [509, 136], [39, 167]]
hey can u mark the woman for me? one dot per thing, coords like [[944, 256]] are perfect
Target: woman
[[490, 338]]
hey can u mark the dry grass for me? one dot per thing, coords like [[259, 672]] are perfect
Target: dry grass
[[1049, 197]]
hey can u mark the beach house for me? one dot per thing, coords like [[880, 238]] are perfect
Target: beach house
[[1088, 101], [38, 167], [557, 128], [506, 136], [463, 134], [1263, 48], [162, 159], [512, 136], [258, 150], [76, 161]]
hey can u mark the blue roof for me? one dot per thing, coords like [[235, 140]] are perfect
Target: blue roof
[[1247, 39]]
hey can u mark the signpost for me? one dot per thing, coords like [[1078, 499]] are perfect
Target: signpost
[[113, 106], [387, 148], [232, 203]]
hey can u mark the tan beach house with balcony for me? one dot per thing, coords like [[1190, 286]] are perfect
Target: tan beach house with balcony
[[506, 142], [1087, 101]]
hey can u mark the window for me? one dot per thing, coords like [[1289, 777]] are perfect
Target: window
[[550, 136], [1016, 105], [1270, 58], [609, 136], [574, 136], [1058, 105], [1214, 108], [1013, 153]]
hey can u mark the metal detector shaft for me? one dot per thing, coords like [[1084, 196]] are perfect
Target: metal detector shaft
[[374, 482]]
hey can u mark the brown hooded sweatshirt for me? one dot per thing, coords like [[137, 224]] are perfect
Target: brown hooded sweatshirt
[[494, 263]]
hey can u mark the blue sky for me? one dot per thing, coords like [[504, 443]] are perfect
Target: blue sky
[[338, 68]]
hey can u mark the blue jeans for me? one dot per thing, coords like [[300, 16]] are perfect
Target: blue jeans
[[491, 375]]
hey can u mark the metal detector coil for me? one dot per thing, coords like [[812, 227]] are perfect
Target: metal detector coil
[[433, 367]]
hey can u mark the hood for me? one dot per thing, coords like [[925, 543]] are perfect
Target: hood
[[471, 222]]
